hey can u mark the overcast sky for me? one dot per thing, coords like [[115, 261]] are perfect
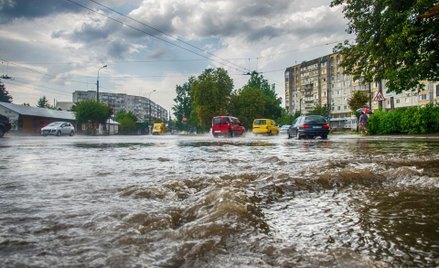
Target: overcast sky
[[54, 47]]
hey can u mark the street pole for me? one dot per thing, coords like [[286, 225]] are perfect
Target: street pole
[[149, 114], [97, 83]]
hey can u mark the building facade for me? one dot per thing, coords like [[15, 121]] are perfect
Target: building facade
[[322, 81], [142, 107], [29, 120]]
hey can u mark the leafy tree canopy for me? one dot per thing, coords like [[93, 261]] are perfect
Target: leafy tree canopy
[[248, 104], [43, 102], [287, 118], [273, 105], [4, 94], [320, 110], [358, 100], [211, 93], [127, 121], [184, 106], [395, 40], [92, 111]]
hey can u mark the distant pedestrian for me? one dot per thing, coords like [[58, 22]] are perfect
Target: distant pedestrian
[[363, 123]]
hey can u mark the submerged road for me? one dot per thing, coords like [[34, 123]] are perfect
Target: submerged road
[[199, 201]]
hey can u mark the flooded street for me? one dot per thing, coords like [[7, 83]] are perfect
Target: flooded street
[[199, 201]]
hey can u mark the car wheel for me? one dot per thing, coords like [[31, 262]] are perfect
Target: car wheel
[[58, 133], [72, 133], [269, 133], [324, 137], [231, 133], [298, 135]]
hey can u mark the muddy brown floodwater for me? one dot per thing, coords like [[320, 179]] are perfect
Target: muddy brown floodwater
[[197, 201]]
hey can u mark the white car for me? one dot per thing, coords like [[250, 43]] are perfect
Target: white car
[[58, 128], [284, 128]]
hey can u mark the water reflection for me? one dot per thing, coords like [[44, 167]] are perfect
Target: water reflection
[[202, 202]]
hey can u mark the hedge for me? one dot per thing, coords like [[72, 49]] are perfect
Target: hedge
[[412, 120]]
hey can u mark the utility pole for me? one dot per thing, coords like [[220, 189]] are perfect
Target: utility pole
[[97, 83]]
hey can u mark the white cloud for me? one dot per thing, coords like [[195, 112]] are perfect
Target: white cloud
[[67, 45]]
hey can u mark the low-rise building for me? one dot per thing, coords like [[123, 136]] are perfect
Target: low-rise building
[[30, 120]]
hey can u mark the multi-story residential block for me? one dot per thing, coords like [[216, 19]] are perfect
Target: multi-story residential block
[[322, 81], [142, 107], [427, 95], [306, 85]]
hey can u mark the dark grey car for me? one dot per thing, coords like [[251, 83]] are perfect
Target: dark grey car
[[309, 126]]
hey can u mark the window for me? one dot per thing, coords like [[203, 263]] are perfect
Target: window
[[259, 122], [437, 90]]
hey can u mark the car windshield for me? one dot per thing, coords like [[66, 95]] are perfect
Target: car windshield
[[54, 124], [315, 120], [259, 122]]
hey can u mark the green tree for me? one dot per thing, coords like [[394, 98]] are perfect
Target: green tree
[[43, 102], [211, 93], [287, 118], [247, 104], [273, 105], [395, 40], [127, 121], [93, 112], [358, 100], [183, 107], [257, 99], [4, 94], [319, 110]]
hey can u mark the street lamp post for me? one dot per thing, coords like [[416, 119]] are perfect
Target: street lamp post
[[149, 100], [97, 83]]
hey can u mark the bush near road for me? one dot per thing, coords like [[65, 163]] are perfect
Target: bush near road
[[412, 120], [5, 126]]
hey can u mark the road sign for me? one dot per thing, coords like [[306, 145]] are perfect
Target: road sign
[[379, 96]]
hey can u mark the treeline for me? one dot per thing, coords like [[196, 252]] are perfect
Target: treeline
[[212, 93], [412, 120]]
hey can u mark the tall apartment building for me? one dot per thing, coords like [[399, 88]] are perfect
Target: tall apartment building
[[142, 107], [322, 82]]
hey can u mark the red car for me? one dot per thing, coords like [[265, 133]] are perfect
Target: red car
[[227, 126]]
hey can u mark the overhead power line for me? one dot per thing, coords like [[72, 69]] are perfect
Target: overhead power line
[[239, 68], [166, 34]]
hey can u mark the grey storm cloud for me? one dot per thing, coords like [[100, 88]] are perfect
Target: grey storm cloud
[[328, 23], [253, 20], [12, 9], [262, 8], [117, 48]]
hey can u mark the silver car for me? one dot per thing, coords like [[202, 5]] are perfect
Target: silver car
[[284, 129], [58, 128]]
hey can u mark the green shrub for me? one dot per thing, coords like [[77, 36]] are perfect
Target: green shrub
[[412, 120]]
